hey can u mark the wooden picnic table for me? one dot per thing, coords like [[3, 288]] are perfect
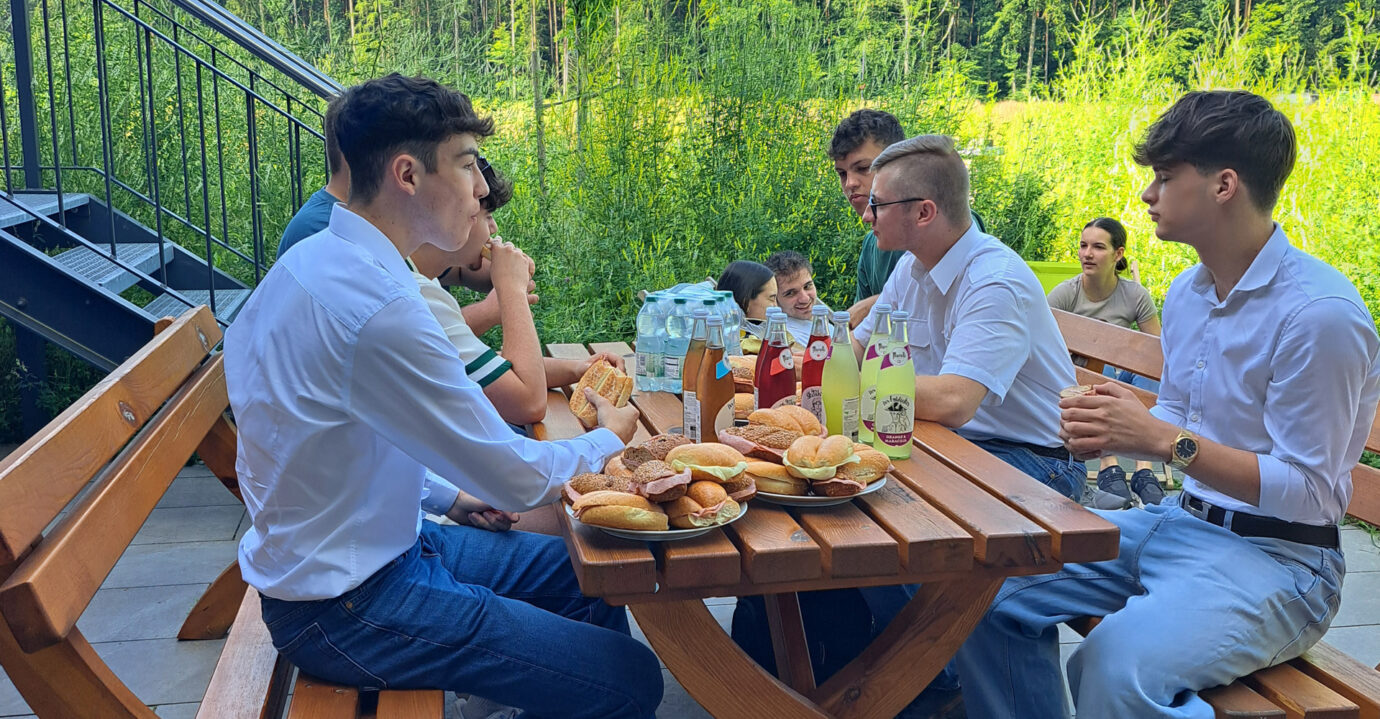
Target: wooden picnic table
[[952, 517]]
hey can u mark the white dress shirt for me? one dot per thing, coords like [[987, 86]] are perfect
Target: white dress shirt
[[981, 314], [345, 389], [1285, 367]]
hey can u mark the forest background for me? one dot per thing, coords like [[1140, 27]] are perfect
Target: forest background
[[653, 142]]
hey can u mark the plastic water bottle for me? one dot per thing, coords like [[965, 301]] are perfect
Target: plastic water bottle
[[679, 325], [733, 324], [650, 321]]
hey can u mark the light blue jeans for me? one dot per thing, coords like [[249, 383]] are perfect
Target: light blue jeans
[[1188, 606], [1065, 476], [499, 615]]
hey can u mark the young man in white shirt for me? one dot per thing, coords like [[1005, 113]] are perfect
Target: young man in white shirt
[[346, 389], [1269, 390]]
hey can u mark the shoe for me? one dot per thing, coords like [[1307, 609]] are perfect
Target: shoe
[[480, 708], [1113, 479], [1144, 484], [1098, 499], [936, 704]]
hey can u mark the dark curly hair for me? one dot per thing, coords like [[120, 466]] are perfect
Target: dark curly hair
[[1216, 130], [500, 191], [863, 125], [381, 118]]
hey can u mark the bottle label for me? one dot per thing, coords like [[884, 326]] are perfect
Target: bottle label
[[691, 418], [895, 419], [819, 350], [722, 369], [896, 357], [673, 368], [782, 362], [812, 399], [788, 399], [850, 418], [724, 419], [641, 369], [869, 406], [754, 399]]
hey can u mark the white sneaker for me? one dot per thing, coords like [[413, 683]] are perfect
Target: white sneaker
[[478, 707]]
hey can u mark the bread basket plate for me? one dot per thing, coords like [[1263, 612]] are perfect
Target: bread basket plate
[[669, 535], [792, 500]]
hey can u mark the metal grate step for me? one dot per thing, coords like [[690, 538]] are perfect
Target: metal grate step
[[42, 203], [228, 303], [98, 269]]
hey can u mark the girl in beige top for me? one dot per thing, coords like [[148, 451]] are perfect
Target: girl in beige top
[[1101, 293]]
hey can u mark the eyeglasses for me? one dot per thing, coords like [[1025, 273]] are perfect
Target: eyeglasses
[[873, 204], [487, 171]]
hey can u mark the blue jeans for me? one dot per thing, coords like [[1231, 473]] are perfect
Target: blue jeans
[[1188, 606], [499, 615], [1131, 378], [1065, 476]]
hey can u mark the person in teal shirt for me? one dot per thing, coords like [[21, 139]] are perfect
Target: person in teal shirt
[[857, 141]]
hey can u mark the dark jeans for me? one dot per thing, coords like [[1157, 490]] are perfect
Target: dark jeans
[[499, 615]]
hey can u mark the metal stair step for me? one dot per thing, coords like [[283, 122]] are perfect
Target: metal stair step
[[98, 269], [228, 303], [42, 203]]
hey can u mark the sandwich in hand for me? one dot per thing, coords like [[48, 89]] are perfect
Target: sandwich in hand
[[709, 461], [705, 504], [620, 510], [607, 381]]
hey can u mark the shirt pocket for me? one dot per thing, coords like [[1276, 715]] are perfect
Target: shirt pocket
[[923, 348]]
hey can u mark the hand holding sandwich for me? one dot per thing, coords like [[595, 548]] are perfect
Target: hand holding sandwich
[[622, 421]]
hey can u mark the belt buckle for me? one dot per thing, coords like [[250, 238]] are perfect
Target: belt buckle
[[1200, 511]]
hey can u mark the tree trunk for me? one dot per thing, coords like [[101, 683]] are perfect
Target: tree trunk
[[326, 13], [905, 40], [1030, 51], [534, 69], [350, 9]]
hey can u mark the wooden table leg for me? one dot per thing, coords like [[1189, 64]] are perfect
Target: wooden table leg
[[713, 670], [787, 626], [910, 652]]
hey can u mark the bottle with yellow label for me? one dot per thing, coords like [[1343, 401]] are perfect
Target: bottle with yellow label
[[872, 361], [841, 386], [895, 410]]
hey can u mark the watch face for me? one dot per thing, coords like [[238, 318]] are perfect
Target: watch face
[[1186, 447]]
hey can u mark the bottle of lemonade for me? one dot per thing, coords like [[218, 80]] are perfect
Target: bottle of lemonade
[[775, 380], [841, 387], [715, 383], [812, 368], [872, 361], [895, 419], [690, 419]]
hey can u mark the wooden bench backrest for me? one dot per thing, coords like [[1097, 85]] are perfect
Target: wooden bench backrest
[[132, 433], [1102, 343]]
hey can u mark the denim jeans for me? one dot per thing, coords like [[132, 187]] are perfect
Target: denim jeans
[[1131, 378], [499, 615], [1065, 476], [1187, 604]]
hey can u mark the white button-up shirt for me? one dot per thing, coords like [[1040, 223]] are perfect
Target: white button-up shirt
[[345, 389], [980, 313], [1284, 367]]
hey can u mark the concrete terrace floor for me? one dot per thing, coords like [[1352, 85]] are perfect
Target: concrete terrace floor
[[191, 536]]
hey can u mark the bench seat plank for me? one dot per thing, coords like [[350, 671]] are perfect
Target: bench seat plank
[[250, 680], [1238, 701], [415, 704], [313, 698], [1344, 675], [1299, 695]]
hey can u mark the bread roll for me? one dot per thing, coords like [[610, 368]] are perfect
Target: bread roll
[[775, 418], [742, 405], [871, 466], [658, 482], [809, 423], [655, 448], [616, 467], [774, 479], [582, 484], [743, 372], [607, 381], [620, 510], [709, 461], [811, 457], [836, 486]]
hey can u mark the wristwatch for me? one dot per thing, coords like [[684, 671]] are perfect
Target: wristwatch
[[1184, 450]]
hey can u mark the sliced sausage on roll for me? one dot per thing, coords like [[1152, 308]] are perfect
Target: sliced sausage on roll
[[759, 440], [658, 482], [710, 461], [705, 504]]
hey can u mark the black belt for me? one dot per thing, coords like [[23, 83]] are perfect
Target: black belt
[[1255, 525]]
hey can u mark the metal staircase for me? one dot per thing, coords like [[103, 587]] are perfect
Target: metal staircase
[[162, 185]]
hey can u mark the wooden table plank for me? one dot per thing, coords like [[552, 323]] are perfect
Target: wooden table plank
[[705, 560], [661, 411], [927, 539], [774, 548], [1002, 536], [567, 351], [1078, 535], [852, 544]]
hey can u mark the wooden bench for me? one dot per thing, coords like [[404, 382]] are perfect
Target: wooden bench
[[1324, 682], [127, 439]]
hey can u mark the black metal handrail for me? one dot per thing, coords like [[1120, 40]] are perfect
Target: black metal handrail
[[211, 140]]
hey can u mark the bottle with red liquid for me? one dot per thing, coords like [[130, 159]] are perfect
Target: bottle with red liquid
[[812, 368], [774, 384]]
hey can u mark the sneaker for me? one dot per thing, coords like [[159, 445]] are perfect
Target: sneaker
[[1144, 484], [480, 708], [1113, 479], [1098, 499]]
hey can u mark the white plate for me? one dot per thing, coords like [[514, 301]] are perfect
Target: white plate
[[793, 500], [666, 536]]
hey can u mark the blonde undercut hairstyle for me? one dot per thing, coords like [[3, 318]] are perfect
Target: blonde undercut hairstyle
[[930, 168]]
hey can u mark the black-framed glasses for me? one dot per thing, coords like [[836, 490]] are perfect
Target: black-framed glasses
[[486, 170], [873, 204]]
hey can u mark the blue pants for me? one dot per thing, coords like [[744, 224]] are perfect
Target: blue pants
[[1131, 378], [1188, 606], [494, 614], [1065, 476]]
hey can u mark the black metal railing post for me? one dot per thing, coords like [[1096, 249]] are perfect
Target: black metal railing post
[[24, 87]]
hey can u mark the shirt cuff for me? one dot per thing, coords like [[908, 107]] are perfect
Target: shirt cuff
[[438, 495], [1160, 412], [605, 442], [995, 389]]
